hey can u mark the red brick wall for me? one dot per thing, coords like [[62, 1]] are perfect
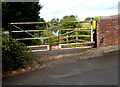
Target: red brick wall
[[108, 31]]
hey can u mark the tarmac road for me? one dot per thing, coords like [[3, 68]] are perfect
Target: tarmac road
[[96, 71]]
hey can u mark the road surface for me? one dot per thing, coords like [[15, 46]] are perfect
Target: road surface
[[96, 71]]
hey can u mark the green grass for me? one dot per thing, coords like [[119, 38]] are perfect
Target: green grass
[[86, 25]]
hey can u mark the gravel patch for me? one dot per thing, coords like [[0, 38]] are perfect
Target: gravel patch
[[75, 53], [57, 52]]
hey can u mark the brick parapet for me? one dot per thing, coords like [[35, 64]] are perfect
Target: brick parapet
[[108, 31]]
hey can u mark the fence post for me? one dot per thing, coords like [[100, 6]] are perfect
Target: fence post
[[91, 33], [76, 36], [67, 37], [94, 33], [59, 45], [59, 38], [9, 29], [49, 41]]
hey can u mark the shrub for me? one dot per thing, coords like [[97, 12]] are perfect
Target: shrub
[[14, 54]]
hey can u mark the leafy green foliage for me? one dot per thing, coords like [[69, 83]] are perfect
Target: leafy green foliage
[[88, 19], [66, 25], [22, 12], [97, 18], [14, 54], [54, 24], [53, 40]]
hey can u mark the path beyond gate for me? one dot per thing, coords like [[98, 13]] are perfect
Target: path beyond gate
[[51, 40]]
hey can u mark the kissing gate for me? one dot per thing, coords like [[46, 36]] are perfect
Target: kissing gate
[[49, 39]]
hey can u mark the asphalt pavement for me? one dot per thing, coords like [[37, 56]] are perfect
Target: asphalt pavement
[[95, 71]]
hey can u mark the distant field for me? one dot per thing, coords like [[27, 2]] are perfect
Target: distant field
[[86, 25]]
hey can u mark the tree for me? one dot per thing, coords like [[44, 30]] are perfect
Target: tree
[[65, 24], [97, 17], [88, 19], [54, 24], [20, 12], [41, 26]]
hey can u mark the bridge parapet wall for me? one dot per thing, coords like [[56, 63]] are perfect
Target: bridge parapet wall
[[108, 31]]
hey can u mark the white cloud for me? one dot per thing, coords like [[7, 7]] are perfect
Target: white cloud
[[81, 8]]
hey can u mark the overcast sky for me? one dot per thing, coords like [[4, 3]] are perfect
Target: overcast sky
[[81, 8]]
